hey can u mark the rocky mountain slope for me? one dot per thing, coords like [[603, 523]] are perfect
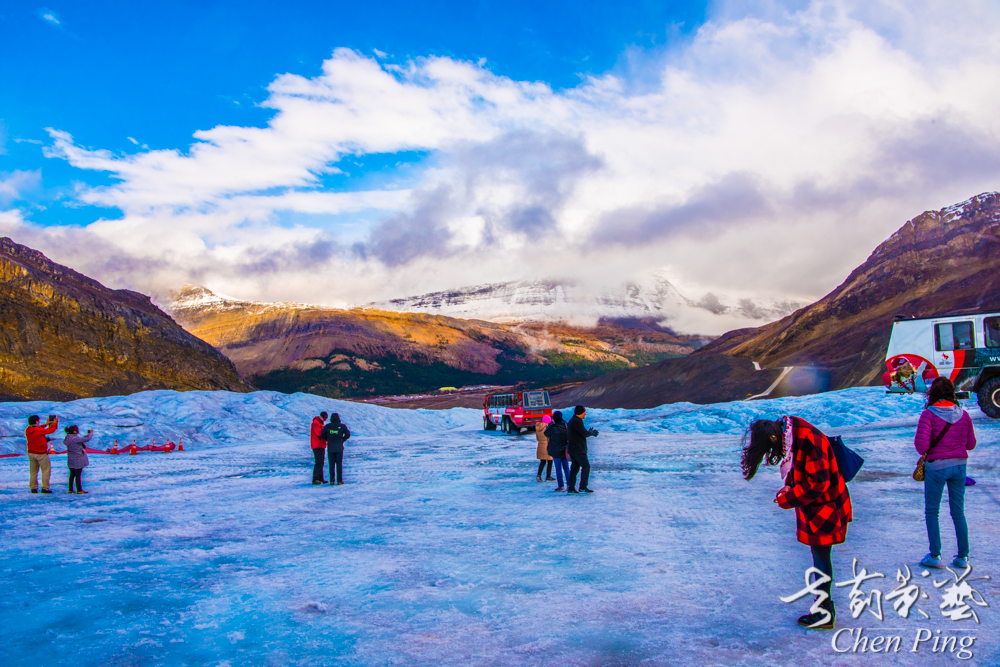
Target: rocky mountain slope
[[548, 300], [65, 336], [365, 351], [939, 262]]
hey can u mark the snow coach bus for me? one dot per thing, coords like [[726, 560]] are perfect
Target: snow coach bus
[[963, 348], [513, 412]]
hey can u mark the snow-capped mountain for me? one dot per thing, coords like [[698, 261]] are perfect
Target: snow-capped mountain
[[546, 300]]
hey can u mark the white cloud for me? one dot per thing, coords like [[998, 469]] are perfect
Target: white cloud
[[16, 184], [49, 16], [768, 155]]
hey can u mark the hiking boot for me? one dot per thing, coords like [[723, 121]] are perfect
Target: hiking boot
[[560, 488], [931, 561], [584, 489], [46, 491], [818, 621], [550, 478], [34, 490], [315, 483], [571, 490], [82, 491], [960, 562], [340, 483], [538, 478]]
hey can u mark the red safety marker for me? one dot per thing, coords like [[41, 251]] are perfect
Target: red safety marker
[[133, 451], [180, 446], [114, 449]]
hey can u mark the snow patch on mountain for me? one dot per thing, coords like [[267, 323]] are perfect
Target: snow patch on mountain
[[548, 300]]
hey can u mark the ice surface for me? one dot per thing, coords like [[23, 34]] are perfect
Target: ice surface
[[441, 549]]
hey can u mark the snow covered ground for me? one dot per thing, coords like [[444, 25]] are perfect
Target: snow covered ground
[[441, 549]]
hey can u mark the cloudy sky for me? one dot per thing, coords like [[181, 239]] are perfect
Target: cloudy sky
[[341, 153]]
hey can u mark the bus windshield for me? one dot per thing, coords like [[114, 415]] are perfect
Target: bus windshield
[[536, 399]]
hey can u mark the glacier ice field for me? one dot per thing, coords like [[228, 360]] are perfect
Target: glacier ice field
[[442, 549]]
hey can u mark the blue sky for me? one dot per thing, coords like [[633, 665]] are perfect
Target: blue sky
[[106, 71], [341, 154]]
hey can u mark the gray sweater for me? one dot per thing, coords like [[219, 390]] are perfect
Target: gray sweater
[[76, 456]]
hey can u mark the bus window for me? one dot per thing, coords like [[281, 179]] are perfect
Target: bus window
[[953, 336], [537, 399], [992, 327]]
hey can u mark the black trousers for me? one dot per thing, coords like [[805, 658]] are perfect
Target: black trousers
[[76, 474], [337, 461], [822, 561], [580, 464], [319, 456], [541, 467]]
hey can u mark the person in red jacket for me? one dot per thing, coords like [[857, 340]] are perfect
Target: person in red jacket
[[813, 486], [38, 450], [946, 436], [318, 445]]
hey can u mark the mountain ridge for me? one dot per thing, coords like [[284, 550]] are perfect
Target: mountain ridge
[[66, 336]]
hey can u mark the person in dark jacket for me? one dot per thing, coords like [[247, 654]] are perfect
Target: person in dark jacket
[[318, 445], [577, 435], [335, 433], [945, 421], [813, 486], [557, 436], [76, 455]]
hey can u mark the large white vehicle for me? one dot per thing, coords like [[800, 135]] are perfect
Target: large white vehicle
[[964, 348]]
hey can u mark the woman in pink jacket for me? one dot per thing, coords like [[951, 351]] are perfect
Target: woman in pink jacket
[[946, 436]]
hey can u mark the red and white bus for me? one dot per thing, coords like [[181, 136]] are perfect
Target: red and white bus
[[513, 412]]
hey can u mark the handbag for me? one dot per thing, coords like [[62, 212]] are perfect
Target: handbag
[[918, 473], [848, 460]]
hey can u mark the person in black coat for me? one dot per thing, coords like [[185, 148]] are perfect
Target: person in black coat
[[558, 437], [577, 447], [335, 433]]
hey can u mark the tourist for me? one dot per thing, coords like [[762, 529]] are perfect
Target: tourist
[[577, 435], [335, 434], [38, 450], [945, 435], [318, 445], [76, 456], [813, 486], [542, 450], [556, 435]]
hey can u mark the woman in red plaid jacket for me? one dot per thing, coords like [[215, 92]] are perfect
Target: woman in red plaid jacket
[[813, 486]]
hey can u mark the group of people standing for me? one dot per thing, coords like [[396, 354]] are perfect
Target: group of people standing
[[327, 439], [37, 436], [564, 444], [815, 488]]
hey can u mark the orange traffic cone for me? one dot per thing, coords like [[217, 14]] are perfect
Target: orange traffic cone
[[132, 450], [180, 446], [114, 449]]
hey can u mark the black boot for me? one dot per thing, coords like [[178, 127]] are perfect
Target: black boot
[[810, 620]]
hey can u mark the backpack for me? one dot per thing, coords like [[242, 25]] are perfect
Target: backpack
[[847, 459]]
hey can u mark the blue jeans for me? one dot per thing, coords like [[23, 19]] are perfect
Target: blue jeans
[[934, 482], [562, 470]]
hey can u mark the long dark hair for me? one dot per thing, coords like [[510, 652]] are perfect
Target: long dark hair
[[72, 429], [942, 389], [762, 440]]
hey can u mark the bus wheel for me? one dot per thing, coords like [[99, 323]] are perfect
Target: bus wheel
[[488, 424], [989, 398]]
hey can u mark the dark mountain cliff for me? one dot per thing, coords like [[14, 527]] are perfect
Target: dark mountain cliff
[[65, 336]]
